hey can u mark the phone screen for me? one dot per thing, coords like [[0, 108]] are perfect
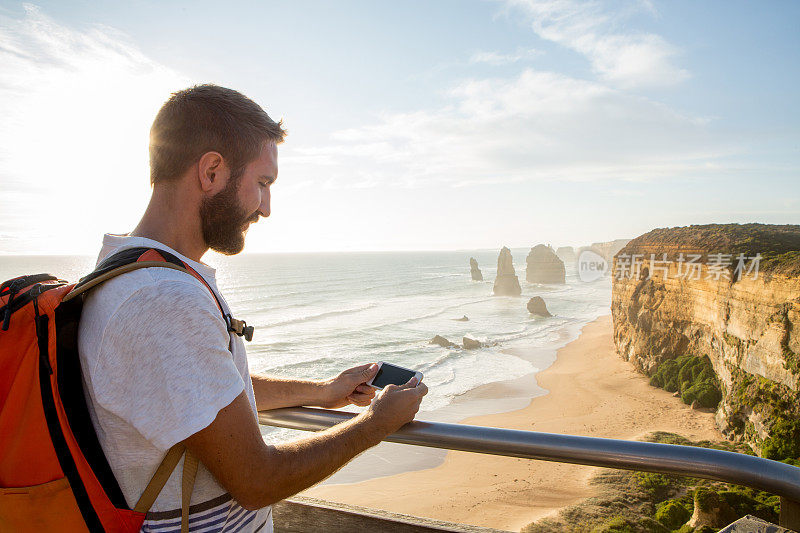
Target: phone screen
[[392, 375]]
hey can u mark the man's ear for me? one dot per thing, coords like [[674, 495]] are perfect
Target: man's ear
[[212, 172]]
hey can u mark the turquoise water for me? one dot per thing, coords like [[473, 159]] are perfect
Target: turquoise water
[[316, 314]]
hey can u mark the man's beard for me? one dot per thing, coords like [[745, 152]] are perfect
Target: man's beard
[[224, 220]]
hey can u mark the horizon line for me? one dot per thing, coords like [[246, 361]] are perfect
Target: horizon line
[[287, 252]]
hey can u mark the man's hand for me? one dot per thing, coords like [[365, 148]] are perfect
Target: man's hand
[[396, 406], [349, 387]]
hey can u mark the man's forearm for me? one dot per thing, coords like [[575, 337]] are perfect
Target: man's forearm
[[256, 474], [291, 467], [274, 392]]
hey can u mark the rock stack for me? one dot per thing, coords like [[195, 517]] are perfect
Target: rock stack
[[444, 343], [544, 266], [471, 344], [536, 306], [506, 283], [566, 254], [474, 270]]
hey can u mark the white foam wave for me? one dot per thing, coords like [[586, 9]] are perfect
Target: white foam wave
[[317, 316]]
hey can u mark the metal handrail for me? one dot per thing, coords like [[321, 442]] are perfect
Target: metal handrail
[[756, 472]]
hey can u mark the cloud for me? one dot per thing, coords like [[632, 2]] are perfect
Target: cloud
[[537, 126], [76, 108], [628, 60], [496, 58]]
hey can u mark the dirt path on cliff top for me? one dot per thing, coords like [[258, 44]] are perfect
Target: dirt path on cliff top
[[593, 392]]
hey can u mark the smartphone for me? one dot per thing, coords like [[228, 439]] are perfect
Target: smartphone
[[389, 374]]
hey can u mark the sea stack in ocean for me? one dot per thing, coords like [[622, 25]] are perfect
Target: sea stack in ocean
[[536, 306], [474, 270], [506, 283], [566, 254], [544, 266]]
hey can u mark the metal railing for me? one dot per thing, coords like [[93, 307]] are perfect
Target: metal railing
[[763, 474]]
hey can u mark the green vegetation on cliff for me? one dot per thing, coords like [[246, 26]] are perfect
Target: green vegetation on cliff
[[779, 407], [783, 442], [792, 360], [643, 502], [779, 245], [780, 261], [692, 376]]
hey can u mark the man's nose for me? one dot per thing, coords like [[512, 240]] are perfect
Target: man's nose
[[264, 208]]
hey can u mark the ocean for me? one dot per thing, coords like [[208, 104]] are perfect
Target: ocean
[[316, 314]]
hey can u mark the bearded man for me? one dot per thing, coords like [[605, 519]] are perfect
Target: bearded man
[[160, 364]]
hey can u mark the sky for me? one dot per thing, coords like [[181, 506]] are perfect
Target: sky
[[436, 125]]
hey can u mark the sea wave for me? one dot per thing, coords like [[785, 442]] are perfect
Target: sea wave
[[318, 316], [410, 320]]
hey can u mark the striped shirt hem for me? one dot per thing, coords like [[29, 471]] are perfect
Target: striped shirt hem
[[218, 515]]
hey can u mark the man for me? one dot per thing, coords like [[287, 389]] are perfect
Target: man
[[160, 366]]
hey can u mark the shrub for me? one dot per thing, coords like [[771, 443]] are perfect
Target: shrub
[[783, 441], [705, 393], [618, 524], [686, 528], [705, 499], [692, 376], [749, 501], [651, 526], [673, 514], [622, 524], [666, 375], [657, 485]]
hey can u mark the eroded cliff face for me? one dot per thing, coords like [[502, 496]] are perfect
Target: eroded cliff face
[[749, 328]]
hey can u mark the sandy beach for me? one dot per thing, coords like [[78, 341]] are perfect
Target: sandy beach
[[591, 392]]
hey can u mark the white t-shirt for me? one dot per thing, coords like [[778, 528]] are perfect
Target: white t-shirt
[[158, 365]]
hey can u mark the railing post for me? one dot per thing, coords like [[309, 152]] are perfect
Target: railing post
[[790, 514]]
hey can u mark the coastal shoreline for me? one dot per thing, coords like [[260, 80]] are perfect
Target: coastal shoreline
[[496, 397], [588, 390]]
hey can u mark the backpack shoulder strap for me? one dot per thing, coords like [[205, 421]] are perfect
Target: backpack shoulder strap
[[120, 263], [162, 474], [159, 478], [134, 259]]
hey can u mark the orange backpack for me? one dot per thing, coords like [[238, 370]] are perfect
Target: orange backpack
[[53, 473]]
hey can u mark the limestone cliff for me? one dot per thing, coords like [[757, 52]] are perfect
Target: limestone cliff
[[673, 294], [609, 249]]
